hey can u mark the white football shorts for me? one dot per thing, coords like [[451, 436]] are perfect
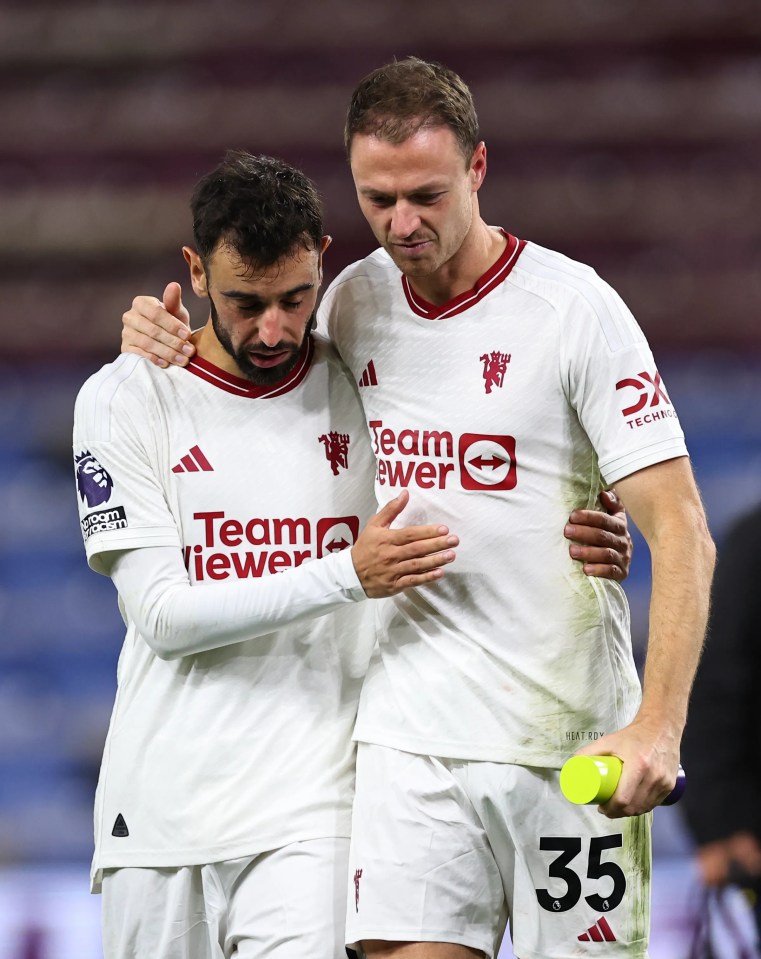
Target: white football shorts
[[284, 904], [448, 850]]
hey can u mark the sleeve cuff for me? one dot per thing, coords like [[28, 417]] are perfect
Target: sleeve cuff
[[100, 543], [347, 576], [622, 466]]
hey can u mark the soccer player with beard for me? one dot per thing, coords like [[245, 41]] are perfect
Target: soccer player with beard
[[223, 806]]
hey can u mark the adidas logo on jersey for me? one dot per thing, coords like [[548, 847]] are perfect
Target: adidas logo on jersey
[[599, 932], [193, 462], [368, 377]]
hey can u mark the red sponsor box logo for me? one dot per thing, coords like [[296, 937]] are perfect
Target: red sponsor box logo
[[487, 461], [336, 533]]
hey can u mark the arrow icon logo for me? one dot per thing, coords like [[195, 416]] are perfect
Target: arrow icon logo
[[487, 462], [480, 462], [336, 545], [335, 533]]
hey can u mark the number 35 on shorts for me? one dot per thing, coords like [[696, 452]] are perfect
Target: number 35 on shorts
[[568, 867]]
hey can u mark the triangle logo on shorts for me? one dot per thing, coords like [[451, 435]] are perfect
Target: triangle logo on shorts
[[599, 932], [120, 828]]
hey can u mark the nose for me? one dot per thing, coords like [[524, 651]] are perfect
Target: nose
[[404, 220], [271, 326]]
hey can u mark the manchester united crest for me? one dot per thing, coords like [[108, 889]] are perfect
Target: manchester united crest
[[336, 450], [495, 367]]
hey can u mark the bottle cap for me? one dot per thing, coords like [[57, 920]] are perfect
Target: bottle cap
[[590, 779], [676, 793]]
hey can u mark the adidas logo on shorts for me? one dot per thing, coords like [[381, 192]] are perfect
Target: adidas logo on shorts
[[599, 932]]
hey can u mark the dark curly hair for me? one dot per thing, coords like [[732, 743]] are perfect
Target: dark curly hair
[[400, 98], [258, 206]]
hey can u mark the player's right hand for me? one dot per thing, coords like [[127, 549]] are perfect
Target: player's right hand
[[650, 754], [158, 331], [390, 560]]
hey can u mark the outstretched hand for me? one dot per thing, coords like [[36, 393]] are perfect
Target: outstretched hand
[[159, 331], [390, 560], [601, 541]]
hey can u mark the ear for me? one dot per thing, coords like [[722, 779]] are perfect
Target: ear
[[326, 241], [197, 272], [477, 167]]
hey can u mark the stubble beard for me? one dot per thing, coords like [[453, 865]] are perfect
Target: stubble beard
[[258, 375], [412, 266]]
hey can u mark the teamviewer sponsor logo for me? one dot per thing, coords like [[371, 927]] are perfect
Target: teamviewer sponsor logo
[[225, 547], [104, 521], [487, 462], [433, 459]]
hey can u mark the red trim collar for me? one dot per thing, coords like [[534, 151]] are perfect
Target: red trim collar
[[242, 387], [496, 273]]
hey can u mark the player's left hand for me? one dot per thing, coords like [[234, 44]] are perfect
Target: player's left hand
[[601, 541], [651, 760]]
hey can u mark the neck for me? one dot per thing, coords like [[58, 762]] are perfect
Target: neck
[[480, 249]]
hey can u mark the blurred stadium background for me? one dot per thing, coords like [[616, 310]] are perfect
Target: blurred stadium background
[[625, 133]]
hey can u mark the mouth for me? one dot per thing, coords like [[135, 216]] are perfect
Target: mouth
[[267, 360], [411, 249]]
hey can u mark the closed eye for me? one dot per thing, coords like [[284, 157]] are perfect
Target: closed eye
[[249, 309], [426, 199], [380, 201]]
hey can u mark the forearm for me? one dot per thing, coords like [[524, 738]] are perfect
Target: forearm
[[682, 566], [664, 503], [178, 619]]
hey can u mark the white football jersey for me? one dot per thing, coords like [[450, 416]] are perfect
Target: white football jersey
[[501, 411], [247, 747]]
